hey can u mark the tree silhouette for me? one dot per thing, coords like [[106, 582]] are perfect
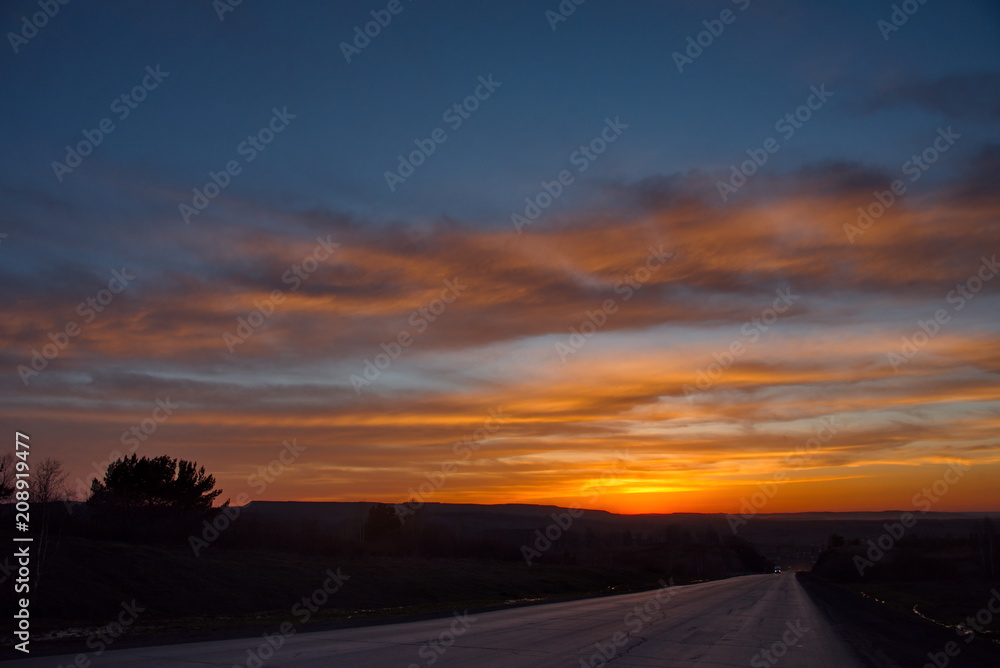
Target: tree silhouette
[[6, 476], [988, 547], [161, 482], [383, 524], [49, 482]]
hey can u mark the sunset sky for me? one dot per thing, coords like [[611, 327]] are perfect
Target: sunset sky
[[580, 278]]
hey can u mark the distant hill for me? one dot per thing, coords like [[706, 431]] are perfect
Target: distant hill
[[793, 539]]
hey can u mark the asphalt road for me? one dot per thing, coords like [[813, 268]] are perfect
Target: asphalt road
[[757, 621]]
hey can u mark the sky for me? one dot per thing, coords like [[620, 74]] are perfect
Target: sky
[[655, 256]]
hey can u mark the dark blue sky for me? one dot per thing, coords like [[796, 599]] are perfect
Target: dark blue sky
[[607, 59]]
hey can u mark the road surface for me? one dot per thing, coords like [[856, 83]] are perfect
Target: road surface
[[756, 621]]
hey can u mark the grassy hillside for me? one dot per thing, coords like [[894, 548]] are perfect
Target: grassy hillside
[[84, 584]]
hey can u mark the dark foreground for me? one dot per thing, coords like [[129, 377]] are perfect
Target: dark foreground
[[759, 620], [753, 620], [885, 637]]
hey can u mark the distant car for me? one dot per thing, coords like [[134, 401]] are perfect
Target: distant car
[[777, 569]]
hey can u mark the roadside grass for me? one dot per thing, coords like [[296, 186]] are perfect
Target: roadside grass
[[947, 602], [84, 584]]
